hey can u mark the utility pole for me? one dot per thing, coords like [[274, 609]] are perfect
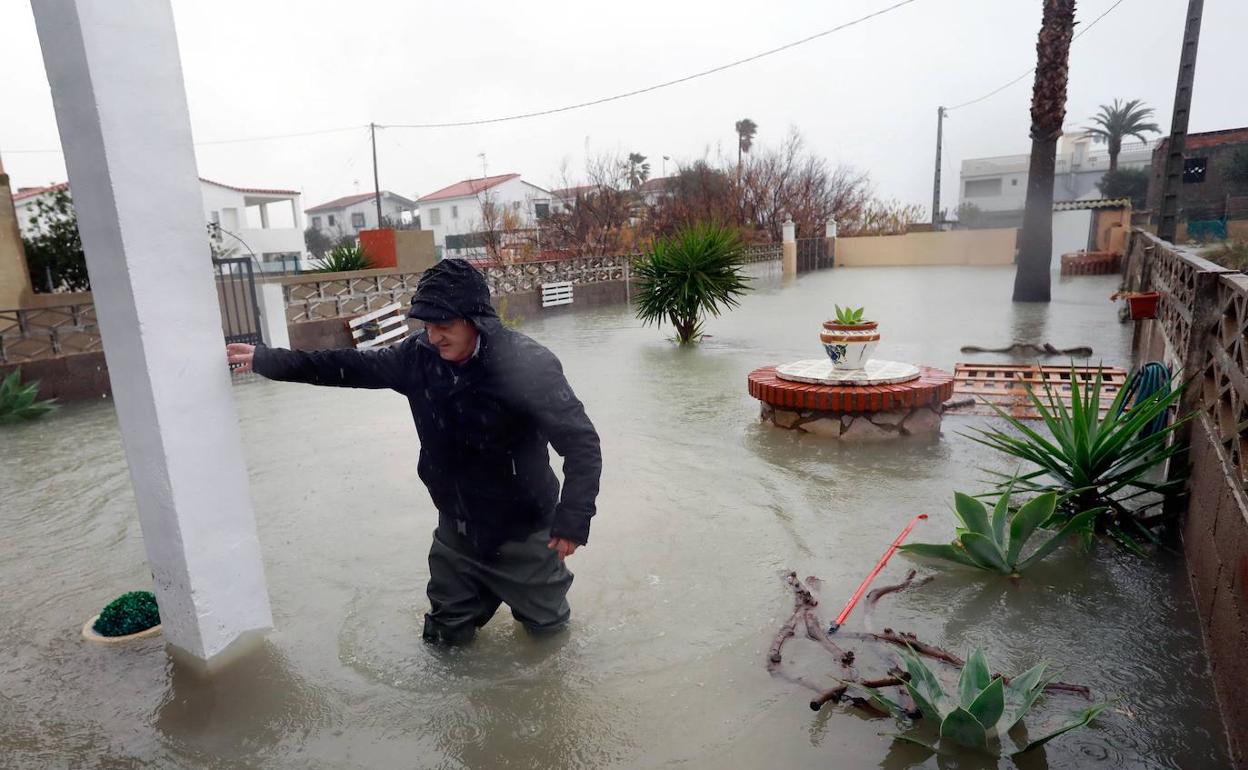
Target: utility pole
[[372, 131], [1172, 181], [940, 125]]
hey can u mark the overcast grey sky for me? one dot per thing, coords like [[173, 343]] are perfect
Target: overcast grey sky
[[866, 96]]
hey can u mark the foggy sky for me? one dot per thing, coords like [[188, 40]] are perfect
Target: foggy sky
[[866, 96]]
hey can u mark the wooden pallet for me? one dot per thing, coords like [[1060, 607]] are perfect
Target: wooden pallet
[[975, 386], [1091, 263]]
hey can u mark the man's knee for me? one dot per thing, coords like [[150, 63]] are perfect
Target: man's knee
[[458, 633]]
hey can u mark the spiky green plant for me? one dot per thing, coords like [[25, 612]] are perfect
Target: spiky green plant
[[984, 709], [343, 258], [848, 315], [1093, 462], [696, 272], [999, 543], [19, 402], [129, 613]]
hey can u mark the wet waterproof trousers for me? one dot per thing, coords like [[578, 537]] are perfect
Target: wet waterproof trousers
[[465, 592]]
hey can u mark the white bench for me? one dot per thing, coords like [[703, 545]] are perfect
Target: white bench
[[382, 327], [557, 293]]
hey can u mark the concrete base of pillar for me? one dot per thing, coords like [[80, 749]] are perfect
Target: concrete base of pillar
[[857, 426]]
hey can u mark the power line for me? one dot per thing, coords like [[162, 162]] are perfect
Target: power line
[[999, 89], [657, 86]]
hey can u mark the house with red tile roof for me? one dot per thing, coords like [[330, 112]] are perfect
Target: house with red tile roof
[[350, 214], [262, 221], [455, 213]]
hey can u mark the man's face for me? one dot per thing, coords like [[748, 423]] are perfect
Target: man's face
[[455, 340]]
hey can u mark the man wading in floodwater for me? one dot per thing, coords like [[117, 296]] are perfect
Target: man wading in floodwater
[[486, 400]]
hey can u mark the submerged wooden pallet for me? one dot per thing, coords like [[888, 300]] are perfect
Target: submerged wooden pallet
[[975, 386]]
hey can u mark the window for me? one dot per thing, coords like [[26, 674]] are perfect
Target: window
[[454, 212], [357, 220], [216, 218], [435, 217], [1194, 170], [983, 188], [1013, 183], [541, 210], [316, 222], [331, 220]]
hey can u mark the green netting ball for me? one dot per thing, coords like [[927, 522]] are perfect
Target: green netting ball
[[129, 613]]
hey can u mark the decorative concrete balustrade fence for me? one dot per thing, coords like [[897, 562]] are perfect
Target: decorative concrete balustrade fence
[[48, 332], [1201, 330]]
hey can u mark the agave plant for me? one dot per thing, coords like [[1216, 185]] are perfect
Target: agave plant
[[18, 401], [343, 258], [1093, 462], [999, 542], [984, 709], [848, 315], [695, 272]]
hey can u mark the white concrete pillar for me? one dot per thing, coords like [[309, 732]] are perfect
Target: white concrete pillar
[[788, 247], [273, 316], [829, 235], [264, 216], [116, 82]]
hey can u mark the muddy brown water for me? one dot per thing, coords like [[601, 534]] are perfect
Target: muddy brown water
[[676, 599]]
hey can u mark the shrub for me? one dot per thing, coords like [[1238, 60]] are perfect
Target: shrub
[[54, 252], [17, 401], [983, 711], [998, 543], [1126, 183], [1093, 462], [343, 258], [1232, 254], [695, 272], [129, 613]]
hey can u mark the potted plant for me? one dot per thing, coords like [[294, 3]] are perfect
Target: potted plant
[[133, 615], [1141, 305], [849, 341]]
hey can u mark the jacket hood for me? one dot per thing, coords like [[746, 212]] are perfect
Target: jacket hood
[[452, 288]]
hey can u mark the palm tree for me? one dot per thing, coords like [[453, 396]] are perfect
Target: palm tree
[[695, 272], [1115, 123], [638, 170], [1048, 111], [746, 129]]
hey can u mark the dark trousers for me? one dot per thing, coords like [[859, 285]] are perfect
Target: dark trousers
[[465, 592]]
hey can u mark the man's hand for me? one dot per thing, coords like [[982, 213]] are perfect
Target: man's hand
[[240, 355], [563, 546]]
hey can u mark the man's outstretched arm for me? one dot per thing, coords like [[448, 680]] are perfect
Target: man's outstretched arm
[[345, 368]]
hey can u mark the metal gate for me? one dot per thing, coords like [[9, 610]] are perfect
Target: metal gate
[[236, 293], [812, 253]]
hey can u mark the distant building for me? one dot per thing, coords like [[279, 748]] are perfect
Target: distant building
[[1205, 193], [349, 215], [655, 190], [997, 186], [251, 220], [456, 217]]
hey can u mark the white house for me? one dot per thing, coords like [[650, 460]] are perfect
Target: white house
[[242, 220], [998, 185], [353, 213], [457, 210]]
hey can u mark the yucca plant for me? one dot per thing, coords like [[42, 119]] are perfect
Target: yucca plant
[[19, 402], [697, 271], [984, 709], [1093, 462], [848, 315], [343, 258], [999, 543]]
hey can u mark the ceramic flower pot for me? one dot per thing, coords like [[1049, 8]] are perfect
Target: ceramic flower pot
[[849, 345], [1143, 305], [89, 633]]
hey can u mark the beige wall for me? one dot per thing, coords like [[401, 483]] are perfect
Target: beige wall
[[951, 247], [14, 275], [414, 250]]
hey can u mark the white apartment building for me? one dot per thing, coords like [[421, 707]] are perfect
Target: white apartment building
[[248, 221], [999, 184], [353, 213], [456, 210]]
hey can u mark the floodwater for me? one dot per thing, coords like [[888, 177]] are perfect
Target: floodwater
[[677, 596]]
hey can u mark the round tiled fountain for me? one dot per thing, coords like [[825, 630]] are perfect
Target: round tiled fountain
[[881, 400]]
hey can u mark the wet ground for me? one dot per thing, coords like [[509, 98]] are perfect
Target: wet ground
[[677, 596]]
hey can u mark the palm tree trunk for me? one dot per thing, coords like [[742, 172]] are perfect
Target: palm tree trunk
[[1048, 110], [1115, 147]]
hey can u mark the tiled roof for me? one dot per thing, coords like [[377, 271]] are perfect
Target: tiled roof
[[1099, 203], [252, 190], [467, 188], [572, 192], [658, 184], [351, 200], [31, 192]]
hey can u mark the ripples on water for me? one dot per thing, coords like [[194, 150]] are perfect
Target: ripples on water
[[677, 596]]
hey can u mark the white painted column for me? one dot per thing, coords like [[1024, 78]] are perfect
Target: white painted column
[[116, 82], [264, 216], [273, 326], [788, 247], [829, 235]]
